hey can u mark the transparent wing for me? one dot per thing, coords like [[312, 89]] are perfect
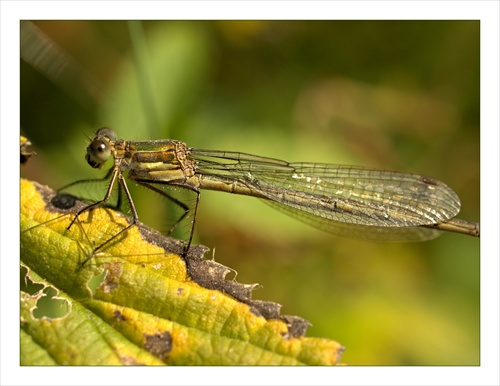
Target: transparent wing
[[343, 200], [361, 232]]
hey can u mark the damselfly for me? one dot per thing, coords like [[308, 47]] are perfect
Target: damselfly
[[344, 200]]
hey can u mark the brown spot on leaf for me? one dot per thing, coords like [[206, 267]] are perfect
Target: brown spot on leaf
[[159, 344], [119, 316]]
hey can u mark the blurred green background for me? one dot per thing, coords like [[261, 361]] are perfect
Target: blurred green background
[[401, 95]]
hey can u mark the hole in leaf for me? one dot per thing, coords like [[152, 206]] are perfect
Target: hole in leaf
[[50, 307], [27, 285], [96, 281]]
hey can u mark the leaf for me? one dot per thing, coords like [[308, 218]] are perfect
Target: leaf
[[135, 302]]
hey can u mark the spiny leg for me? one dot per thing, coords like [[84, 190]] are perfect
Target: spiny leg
[[148, 184], [135, 217], [182, 205], [114, 172]]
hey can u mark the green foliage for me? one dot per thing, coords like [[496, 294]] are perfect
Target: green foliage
[[134, 303]]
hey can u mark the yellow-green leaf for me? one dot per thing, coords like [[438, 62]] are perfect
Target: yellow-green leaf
[[136, 302]]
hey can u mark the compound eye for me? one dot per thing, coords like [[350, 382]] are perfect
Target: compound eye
[[98, 152]]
